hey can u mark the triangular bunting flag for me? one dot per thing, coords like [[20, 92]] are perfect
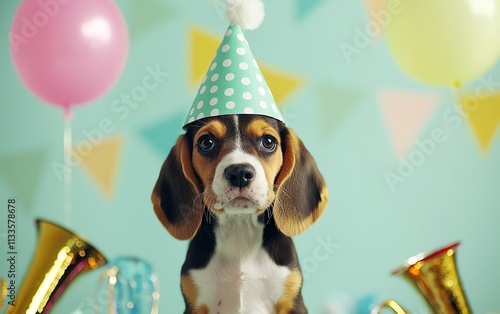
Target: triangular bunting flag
[[202, 49], [484, 117], [146, 15], [22, 172], [304, 7], [378, 13], [102, 163], [162, 136], [335, 103], [281, 84], [405, 114]]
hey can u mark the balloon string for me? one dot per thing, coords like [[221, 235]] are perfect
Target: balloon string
[[68, 117], [456, 93], [456, 90]]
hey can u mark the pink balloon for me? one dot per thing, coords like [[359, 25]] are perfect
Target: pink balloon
[[68, 52]]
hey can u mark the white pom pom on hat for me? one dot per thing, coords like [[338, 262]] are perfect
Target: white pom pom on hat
[[248, 14]]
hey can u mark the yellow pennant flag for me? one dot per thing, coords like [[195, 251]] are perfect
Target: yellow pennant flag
[[203, 46], [483, 115], [281, 84], [102, 162]]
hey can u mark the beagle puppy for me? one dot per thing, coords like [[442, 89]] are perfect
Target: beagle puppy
[[239, 187]]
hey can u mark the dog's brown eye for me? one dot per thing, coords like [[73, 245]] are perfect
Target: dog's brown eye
[[268, 143], [206, 143]]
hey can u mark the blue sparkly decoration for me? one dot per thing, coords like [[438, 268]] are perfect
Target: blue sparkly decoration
[[133, 287]]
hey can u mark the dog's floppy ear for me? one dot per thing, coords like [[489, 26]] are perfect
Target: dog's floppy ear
[[175, 195], [302, 194]]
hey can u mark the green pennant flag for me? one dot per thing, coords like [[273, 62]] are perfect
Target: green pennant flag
[[305, 7], [22, 172], [336, 102], [162, 135], [146, 15]]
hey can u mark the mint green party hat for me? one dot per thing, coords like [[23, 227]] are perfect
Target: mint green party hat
[[234, 83]]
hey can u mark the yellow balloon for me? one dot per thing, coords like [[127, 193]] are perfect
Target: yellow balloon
[[444, 42]]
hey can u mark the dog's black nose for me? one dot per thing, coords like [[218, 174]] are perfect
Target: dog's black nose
[[239, 175]]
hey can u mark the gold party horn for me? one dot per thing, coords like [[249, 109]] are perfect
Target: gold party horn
[[436, 277], [59, 258], [3, 292]]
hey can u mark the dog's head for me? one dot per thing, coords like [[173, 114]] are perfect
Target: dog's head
[[238, 164]]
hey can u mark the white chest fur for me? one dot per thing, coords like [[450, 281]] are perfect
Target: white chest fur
[[240, 277]]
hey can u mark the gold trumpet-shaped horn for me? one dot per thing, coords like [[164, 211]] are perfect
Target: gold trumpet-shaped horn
[[3, 292], [59, 257], [436, 277]]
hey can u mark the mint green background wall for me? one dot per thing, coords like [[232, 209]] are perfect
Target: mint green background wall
[[451, 195]]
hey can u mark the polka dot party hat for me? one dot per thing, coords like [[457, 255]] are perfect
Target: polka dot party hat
[[234, 83]]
